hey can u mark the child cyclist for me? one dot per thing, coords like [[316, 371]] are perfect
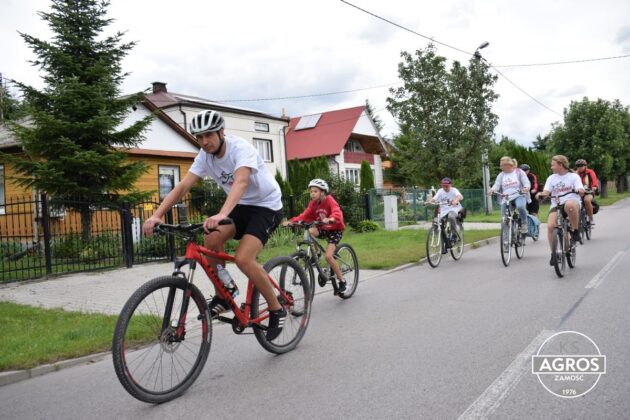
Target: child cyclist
[[324, 207]]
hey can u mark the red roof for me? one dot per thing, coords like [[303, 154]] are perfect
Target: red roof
[[327, 138]]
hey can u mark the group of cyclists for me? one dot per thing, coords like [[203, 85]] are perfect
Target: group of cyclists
[[254, 205], [573, 188]]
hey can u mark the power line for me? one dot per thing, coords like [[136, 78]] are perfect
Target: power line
[[454, 48], [311, 95], [586, 60], [519, 88], [405, 28]]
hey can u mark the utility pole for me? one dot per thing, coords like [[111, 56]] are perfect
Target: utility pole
[[1, 100]]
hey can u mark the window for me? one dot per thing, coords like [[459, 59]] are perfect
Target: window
[[264, 149], [308, 121], [168, 177], [261, 126], [2, 192], [352, 175], [353, 146]]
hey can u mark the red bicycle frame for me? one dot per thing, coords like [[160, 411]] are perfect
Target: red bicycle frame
[[195, 252]]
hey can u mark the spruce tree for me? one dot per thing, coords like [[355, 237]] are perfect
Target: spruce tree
[[74, 146], [366, 177]]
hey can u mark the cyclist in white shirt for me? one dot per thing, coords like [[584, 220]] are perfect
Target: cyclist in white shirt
[[253, 203], [448, 197], [512, 181], [561, 182]]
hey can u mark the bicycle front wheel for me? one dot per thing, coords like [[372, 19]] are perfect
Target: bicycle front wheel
[[157, 353], [519, 241], [457, 248], [305, 263], [558, 253], [349, 265], [284, 270], [434, 246], [506, 245]]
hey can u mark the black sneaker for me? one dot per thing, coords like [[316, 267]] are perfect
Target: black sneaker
[[552, 261], [342, 286], [217, 306], [276, 323], [575, 235]]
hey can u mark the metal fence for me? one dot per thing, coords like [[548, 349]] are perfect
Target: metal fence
[[41, 237], [410, 203]]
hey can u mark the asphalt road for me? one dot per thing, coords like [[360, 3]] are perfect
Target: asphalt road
[[451, 342]]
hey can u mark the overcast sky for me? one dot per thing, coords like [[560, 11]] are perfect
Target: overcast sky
[[227, 50]]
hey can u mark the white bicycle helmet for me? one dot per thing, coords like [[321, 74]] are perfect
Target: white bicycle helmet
[[206, 122], [319, 183]]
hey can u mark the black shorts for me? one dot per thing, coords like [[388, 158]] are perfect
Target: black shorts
[[333, 236], [256, 221]]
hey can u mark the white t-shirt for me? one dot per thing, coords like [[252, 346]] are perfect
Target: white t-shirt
[[510, 184], [442, 195], [262, 189], [561, 184]]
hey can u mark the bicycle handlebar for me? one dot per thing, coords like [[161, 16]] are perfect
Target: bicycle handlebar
[[307, 224], [188, 228]]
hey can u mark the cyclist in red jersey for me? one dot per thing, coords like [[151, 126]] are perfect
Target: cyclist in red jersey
[[589, 180]]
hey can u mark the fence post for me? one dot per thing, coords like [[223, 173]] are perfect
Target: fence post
[[127, 235], [170, 239], [368, 207], [46, 227]]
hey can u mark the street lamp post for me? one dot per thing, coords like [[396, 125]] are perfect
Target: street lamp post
[[484, 156]]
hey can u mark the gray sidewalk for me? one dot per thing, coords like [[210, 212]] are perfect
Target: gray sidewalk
[[107, 291]]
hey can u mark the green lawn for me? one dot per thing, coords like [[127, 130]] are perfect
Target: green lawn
[[381, 249], [33, 336]]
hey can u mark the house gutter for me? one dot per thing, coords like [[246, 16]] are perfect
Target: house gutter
[[184, 114]]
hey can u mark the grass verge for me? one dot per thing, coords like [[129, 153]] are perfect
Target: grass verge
[[35, 336], [382, 249]]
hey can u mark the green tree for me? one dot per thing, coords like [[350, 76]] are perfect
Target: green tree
[[285, 187], [11, 108], [366, 177], [445, 117], [596, 131], [300, 172], [378, 123], [74, 146]]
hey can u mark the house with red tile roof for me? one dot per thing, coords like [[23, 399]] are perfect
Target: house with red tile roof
[[346, 137], [266, 132]]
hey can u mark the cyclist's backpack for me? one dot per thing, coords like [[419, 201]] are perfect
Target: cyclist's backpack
[[532, 225], [595, 207]]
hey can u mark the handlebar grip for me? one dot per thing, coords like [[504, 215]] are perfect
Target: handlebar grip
[[226, 221]]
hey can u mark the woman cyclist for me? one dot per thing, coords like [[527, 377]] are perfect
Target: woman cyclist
[[562, 181], [510, 181]]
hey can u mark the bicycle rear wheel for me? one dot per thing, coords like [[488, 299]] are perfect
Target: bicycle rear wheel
[[305, 263], [434, 246], [283, 270], [506, 242], [154, 361], [349, 265], [570, 252], [457, 248], [519, 241], [557, 249]]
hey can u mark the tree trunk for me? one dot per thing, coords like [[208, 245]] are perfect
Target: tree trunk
[[86, 223], [622, 183], [603, 188]]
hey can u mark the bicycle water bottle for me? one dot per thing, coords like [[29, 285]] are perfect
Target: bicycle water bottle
[[227, 280]]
